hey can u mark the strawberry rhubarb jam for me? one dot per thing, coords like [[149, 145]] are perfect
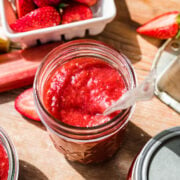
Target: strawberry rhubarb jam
[[78, 92], [73, 86], [4, 163]]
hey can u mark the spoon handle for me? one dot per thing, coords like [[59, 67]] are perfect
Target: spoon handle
[[142, 92]]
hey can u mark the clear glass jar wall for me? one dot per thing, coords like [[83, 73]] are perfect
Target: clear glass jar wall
[[92, 144], [12, 166]]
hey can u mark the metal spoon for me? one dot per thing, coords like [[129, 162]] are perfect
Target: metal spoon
[[142, 92]]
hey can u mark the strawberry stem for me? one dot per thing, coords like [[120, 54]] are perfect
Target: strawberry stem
[[178, 19], [178, 35], [62, 5]]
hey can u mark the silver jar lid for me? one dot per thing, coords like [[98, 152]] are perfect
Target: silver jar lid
[[167, 65], [160, 158]]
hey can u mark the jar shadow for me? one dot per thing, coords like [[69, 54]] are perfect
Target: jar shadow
[[117, 167], [29, 172], [9, 96], [35, 123], [121, 33]]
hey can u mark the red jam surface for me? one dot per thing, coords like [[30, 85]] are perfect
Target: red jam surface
[[78, 92], [4, 163]]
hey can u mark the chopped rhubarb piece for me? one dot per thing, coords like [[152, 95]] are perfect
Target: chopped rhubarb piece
[[17, 69]]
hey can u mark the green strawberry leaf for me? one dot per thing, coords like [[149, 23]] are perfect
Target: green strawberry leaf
[[178, 35], [178, 19], [62, 5]]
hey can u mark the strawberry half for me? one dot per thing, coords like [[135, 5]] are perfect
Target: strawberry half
[[37, 19], [24, 104], [87, 2], [24, 7], [42, 3], [162, 27], [76, 12]]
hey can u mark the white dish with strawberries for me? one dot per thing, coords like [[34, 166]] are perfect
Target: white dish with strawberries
[[103, 12]]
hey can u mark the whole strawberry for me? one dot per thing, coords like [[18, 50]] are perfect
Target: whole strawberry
[[24, 7], [162, 27], [42, 3], [39, 18], [76, 12], [87, 2]]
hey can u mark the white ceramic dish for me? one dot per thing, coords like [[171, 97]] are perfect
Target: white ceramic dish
[[104, 12]]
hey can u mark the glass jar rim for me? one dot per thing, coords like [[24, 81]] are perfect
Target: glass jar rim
[[73, 43], [12, 154]]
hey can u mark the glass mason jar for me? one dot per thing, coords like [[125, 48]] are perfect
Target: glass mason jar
[[7, 149], [82, 144]]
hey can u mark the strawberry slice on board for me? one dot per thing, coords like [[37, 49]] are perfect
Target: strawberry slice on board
[[162, 27], [24, 104], [24, 7]]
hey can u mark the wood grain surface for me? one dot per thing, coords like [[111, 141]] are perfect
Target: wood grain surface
[[39, 160]]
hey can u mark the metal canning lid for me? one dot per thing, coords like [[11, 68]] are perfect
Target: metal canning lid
[[160, 158], [12, 155], [167, 65]]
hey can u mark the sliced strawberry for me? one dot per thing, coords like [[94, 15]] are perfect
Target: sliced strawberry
[[162, 27], [87, 2], [24, 7], [76, 12], [24, 104], [37, 19], [42, 3]]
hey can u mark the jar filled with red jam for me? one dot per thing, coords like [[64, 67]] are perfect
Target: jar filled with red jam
[[73, 86], [9, 165]]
